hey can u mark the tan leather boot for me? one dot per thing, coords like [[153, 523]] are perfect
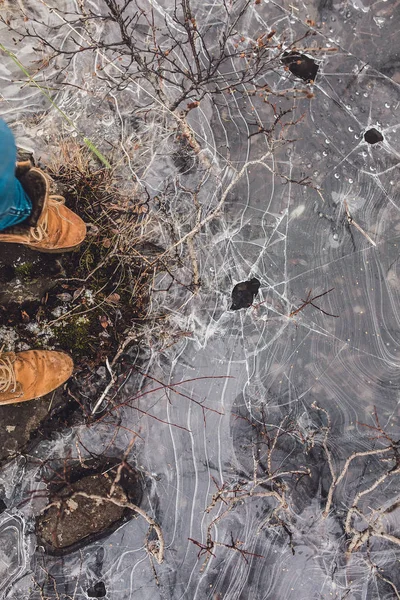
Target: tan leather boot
[[32, 374], [52, 227]]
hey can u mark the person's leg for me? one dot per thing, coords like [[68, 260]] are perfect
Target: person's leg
[[15, 205], [43, 222]]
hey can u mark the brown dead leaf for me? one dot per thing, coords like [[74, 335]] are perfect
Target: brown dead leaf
[[113, 298], [104, 321], [25, 317], [77, 293], [64, 297]]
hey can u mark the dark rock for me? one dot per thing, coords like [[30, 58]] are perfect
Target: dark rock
[[98, 590], [74, 520], [300, 65], [243, 293], [19, 423], [373, 136], [78, 517]]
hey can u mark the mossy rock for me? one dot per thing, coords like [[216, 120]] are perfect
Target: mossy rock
[[76, 335], [24, 270]]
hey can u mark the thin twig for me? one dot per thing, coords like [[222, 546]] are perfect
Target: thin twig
[[351, 221]]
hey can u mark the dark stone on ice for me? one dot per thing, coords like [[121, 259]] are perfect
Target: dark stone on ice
[[243, 293], [300, 65], [98, 590], [373, 136], [75, 517]]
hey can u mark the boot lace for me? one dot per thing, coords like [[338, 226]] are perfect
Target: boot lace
[[41, 231], [8, 380]]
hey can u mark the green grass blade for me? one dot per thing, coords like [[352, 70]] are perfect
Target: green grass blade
[[97, 152]]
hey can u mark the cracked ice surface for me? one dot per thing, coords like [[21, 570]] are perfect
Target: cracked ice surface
[[280, 370]]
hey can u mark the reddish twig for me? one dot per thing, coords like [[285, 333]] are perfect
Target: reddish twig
[[310, 301]]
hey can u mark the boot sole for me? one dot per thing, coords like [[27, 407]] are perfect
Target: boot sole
[[54, 250]]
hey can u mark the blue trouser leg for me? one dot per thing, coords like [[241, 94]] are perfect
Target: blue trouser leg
[[15, 206]]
